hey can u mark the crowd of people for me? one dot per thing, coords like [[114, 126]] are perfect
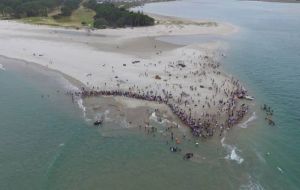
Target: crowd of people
[[203, 126], [193, 88]]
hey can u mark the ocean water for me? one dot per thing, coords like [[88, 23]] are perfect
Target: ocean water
[[265, 55], [47, 143]]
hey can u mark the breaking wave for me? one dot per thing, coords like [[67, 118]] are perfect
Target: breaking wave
[[251, 185], [232, 152], [251, 118], [72, 88], [279, 169], [158, 120], [81, 106], [2, 67]]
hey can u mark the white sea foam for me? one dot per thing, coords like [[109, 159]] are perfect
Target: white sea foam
[[81, 106], [232, 152], [251, 185], [153, 116], [251, 118], [124, 123], [2, 67], [234, 156], [156, 119], [72, 88], [278, 168], [260, 157], [62, 144], [106, 116]]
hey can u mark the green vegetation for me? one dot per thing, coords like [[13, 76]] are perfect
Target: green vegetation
[[72, 13], [69, 6], [80, 17], [27, 8], [36, 8], [109, 15]]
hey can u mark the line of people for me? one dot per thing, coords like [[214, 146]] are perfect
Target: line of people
[[203, 126]]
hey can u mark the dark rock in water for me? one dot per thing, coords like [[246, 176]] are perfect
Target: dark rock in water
[[188, 156], [98, 122]]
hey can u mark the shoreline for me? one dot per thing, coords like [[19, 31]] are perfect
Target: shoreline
[[183, 60]]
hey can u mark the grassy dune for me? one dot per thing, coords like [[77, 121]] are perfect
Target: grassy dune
[[79, 16]]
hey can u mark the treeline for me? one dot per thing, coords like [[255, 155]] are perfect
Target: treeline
[[32, 8], [69, 6], [109, 15], [27, 8]]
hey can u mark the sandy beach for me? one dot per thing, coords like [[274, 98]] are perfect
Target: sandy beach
[[188, 77]]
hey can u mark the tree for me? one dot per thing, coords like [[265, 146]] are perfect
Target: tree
[[120, 17], [100, 23], [91, 4], [69, 7], [24, 8]]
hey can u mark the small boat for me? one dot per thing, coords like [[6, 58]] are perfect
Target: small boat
[[249, 97]]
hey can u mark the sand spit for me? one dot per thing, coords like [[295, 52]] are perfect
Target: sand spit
[[131, 60]]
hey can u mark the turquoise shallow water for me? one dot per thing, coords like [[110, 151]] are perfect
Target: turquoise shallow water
[[33, 129], [45, 143]]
